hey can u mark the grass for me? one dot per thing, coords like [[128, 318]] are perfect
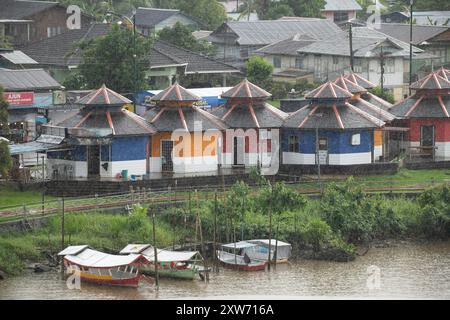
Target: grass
[[13, 197], [104, 232], [276, 103]]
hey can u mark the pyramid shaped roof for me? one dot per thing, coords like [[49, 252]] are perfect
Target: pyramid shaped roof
[[246, 90], [348, 85], [433, 81], [176, 93], [329, 91], [360, 81], [103, 97]]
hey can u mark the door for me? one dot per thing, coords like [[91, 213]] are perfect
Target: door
[[427, 136], [239, 151], [166, 155], [323, 150], [427, 140], [93, 161]]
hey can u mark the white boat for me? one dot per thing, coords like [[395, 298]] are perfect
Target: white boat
[[236, 256], [279, 250]]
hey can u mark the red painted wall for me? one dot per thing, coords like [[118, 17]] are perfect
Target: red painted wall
[[442, 128]]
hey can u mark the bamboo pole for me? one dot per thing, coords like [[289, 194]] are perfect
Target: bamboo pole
[[215, 232], [270, 227], [155, 250], [62, 236]]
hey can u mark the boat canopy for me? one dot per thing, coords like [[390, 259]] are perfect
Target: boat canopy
[[273, 242], [73, 250], [162, 255], [96, 259], [134, 248], [239, 245]]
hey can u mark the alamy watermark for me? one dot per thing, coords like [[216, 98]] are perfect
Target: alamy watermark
[[373, 281]]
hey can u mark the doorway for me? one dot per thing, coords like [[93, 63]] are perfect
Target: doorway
[[239, 151], [166, 155], [323, 151], [93, 161]]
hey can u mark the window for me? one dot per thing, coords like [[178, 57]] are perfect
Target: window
[[294, 144], [389, 66], [358, 65], [277, 62], [299, 63], [356, 139], [340, 16]]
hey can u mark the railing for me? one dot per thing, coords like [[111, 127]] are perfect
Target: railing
[[179, 196]]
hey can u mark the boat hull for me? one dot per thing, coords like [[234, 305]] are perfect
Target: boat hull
[[184, 274], [132, 282], [253, 267]]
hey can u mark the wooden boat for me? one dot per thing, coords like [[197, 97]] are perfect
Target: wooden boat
[[279, 251], [102, 268], [171, 264], [234, 256]]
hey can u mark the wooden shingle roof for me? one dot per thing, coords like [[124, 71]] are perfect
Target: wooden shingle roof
[[433, 81], [360, 81], [329, 91], [349, 85], [176, 93], [103, 97], [246, 90]]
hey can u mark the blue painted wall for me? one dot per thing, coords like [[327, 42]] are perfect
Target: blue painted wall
[[338, 141], [128, 149]]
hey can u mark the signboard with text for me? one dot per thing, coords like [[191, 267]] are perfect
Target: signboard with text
[[19, 98]]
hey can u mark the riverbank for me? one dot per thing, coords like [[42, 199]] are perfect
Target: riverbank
[[331, 228]]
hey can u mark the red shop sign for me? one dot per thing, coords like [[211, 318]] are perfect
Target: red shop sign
[[19, 98]]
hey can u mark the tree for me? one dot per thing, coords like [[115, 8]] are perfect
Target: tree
[[5, 157], [109, 60], [278, 10], [259, 71], [423, 5], [306, 8], [210, 12], [181, 36]]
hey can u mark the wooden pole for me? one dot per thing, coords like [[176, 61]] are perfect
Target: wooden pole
[[215, 232], [155, 250], [62, 235], [276, 247], [234, 241], [270, 228], [43, 186]]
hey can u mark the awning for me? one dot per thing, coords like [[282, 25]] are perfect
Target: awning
[[162, 255], [41, 144], [239, 245], [96, 259], [265, 242]]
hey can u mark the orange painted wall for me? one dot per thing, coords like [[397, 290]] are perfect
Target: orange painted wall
[[378, 137], [202, 147]]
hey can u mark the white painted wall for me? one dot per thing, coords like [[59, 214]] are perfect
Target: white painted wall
[[333, 159], [135, 167], [443, 150], [378, 152], [79, 168]]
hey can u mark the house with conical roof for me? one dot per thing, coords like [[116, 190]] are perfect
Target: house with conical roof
[[253, 126], [426, 113], [330, 130], [370, 104], [103, 140], [188, 137]]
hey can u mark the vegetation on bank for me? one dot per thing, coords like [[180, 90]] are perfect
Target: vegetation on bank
[[327, 229]]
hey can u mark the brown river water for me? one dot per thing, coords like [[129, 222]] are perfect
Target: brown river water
[[406, 270]]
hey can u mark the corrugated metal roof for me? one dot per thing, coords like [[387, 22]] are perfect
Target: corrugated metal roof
[[265, 32], [342, 5], [17, 57], [12, 9], [27, 79]]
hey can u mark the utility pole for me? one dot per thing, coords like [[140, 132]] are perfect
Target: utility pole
[[43, 185], [215, 231], [270, 228], [382, 70], [134, 60], [350, 39], [411, 8]]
